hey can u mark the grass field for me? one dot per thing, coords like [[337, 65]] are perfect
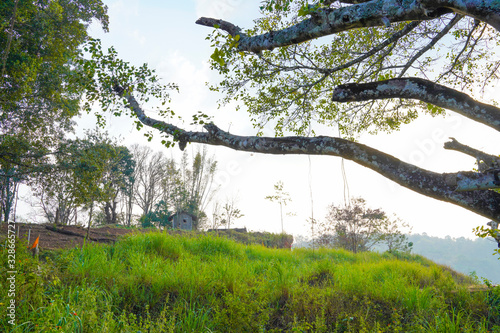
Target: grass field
[[156, 282]]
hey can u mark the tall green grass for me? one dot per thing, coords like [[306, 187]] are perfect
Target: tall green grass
[[200, 283]]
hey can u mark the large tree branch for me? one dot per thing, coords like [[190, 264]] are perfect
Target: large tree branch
[[327, 21], [445, 187], [424, 90]]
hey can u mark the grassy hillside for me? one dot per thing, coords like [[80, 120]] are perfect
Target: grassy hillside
[[175, 283]]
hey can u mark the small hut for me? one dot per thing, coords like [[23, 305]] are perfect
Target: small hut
[[183, 220]]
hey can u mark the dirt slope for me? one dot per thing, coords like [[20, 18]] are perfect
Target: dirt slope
[[59, 237]]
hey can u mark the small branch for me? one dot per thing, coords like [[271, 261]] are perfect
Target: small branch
[[424, 90], [393, 39], [232, 29], [433, 42], [491, 161], [457, 58]]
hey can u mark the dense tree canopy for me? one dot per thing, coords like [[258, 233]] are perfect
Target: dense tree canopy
[[359, 66], [39, 93]]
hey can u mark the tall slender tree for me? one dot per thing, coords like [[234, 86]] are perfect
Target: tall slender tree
[[148, 177], [197, 188], [281, 197]]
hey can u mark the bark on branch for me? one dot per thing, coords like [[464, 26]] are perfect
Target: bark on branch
[[439, 186], [424, 90], [327, 21]]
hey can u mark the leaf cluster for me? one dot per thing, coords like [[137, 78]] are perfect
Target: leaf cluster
[[109, 81], [484, 232], [85, 171]]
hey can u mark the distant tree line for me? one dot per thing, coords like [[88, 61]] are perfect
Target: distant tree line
[[94, 180]]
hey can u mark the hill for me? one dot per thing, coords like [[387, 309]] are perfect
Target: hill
[[156, 282], [462, 254]]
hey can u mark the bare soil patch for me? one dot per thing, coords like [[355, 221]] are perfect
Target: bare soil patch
[[66, 236]]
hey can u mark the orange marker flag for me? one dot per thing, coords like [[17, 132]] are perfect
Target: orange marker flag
[[35, 243]]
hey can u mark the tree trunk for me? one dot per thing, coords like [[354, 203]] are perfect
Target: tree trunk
[[129, 210], [113, 213], [108, 212], [56, 220], [90, 219]]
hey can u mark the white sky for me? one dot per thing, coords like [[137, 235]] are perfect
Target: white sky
[[164, 35]]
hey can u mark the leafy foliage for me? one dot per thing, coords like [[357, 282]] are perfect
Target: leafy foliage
[[290, 88], [108, 79], [39, 94], [484, 232], [158, 217], [86, 171]]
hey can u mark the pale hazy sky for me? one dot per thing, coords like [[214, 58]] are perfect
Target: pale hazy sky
[[164, 35]]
